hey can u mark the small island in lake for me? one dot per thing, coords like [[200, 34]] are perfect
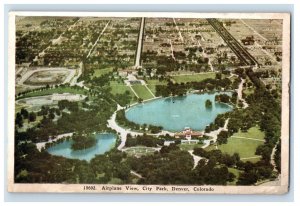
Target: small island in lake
[[208, 104], [81, 142]]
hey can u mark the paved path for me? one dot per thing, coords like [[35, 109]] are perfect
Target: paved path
[[240, 94], [195, 157], [139, 47], [239, 137], [272, 161], [180, 36], [91, 50], [41, 145], [253, 30], [247, 158], [206, 56], [53, 41], [172, 50], [133, 91], [149, 90], [136, 174], [214, 134], [121, 131]]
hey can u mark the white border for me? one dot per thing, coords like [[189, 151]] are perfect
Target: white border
[[12, 187]]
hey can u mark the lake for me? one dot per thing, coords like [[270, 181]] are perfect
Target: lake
[[175, 113], [105, 142]]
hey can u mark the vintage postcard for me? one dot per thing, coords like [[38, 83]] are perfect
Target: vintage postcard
[[149, 102]]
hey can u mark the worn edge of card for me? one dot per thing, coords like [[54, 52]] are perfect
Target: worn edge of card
[[181, 189]]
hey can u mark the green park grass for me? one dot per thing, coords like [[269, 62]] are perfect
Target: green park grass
[[253, 132], [142, 91], [152, 84], [50, 91], [244, 147], [100, 72], [119, 88], [187, 147], [236, 172], [193, 77]]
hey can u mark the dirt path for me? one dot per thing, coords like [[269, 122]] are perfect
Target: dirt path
[[54, 41], [103, 30], [238, 137], [206, 56], [240, 94], [121, 131], [195, 157], [136, 174], [41, 145], [172, 50], [214, 134], [180, 36]]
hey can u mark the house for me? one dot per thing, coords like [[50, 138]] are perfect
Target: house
[[188, 133], [249, 40]]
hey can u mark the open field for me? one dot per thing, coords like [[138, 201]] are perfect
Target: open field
[[244, 147], [142, 91], [119, 88], [152, 84], [243, 143], [100, 72], [187, 147], [194, 77], [253, 132]]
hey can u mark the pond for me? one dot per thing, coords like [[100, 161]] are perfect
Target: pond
[[175, 113], [105, 142]]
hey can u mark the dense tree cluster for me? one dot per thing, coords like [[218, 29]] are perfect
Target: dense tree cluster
[[145, 140], [207, 85], [224, 98], [81, 142]]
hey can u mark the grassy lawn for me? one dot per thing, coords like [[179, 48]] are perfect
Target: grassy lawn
[[59, 90], [100, 72], [248, 91], [253, 132], [187, 147], [119, 88], [236, 172], [244, 147], [142, 91], [194, 77], [153, 82]]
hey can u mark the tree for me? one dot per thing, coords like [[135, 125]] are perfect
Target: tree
[[222, 137], [19, 120], [208, 104], [24, 113], [32, 117], [247, 178]]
